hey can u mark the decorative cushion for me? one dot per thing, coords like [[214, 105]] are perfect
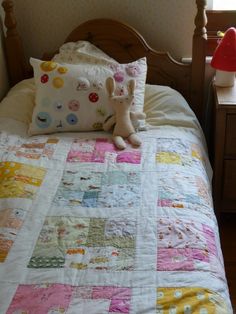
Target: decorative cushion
[[73, 97]]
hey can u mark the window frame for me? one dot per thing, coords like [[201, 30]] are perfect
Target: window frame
[[218, 20]]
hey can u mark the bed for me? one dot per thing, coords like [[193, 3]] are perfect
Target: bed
[[88, 228]]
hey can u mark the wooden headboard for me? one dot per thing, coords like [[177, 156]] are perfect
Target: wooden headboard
[[125, 44]]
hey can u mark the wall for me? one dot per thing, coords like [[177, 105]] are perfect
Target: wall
[[164, 24], [3, 70]]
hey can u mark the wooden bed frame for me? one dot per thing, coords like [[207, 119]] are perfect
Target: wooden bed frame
[[125, 44]]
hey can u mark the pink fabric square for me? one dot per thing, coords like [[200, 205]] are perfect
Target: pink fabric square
[[175, 259], [210, 240], [119, 306], [111, 292], [200, 255], [90, 150], [76, 156], [132, 157], [101, 147], [104, 145], [120, 298], [164, 203], [40, 299]]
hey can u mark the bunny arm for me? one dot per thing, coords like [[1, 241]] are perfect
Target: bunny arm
[[108, 124], [137, 115]]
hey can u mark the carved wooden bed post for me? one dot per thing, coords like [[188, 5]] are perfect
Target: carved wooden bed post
[[17, 66], [198, 59]]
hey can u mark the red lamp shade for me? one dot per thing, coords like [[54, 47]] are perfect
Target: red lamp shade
[[224, 57]]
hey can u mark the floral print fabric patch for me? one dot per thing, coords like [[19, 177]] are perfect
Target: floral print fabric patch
[[187, 245], [11, 221], [85, 243], [98, 189], [19, 180], [100, 150], [61, 299]]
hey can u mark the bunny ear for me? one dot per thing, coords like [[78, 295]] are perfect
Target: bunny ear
[[131, 86], [110, 85]]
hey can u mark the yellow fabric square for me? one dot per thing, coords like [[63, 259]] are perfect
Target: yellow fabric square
[[185, 300], [168, 158], [19, 180]]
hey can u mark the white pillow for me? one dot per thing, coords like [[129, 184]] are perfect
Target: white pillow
[[80, 51], [19, 102], [165, 106], [73, 97]]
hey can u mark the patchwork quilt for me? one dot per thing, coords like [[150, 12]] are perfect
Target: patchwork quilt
[[86, 228]]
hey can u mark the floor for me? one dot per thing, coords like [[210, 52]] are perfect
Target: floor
[[227, 226]]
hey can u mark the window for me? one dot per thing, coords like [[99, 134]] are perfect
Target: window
[[221, 15], [221, 5]]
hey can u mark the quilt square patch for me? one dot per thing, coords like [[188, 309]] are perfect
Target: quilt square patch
[[180, 300], [11, 221], [181, 152], [101, 150], [185, 245], [85, 243], [19, 180], [61, 299], [180, 190], [98, 189], [38, 299], [34, 149]]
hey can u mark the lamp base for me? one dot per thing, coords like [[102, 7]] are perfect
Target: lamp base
[[224, 78]]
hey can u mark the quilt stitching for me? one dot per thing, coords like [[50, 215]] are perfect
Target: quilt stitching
[[19, 180], [98, 189], [181, 190], [11, 221], [187, 300], [175, 151], [186, 245], [85, 243], [100, 150], [37, 148], [59, 298], [94, 177]]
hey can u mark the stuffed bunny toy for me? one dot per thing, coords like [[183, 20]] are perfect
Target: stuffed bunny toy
[[121, 120]]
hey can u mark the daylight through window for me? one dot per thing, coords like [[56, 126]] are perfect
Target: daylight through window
[[221, 5]]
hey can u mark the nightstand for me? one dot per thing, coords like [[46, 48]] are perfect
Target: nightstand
[[224, 179]]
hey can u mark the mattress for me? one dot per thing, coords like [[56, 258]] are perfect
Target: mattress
[[87, 228]]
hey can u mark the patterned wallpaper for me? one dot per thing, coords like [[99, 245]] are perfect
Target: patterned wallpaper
[[3, 70], [165, 24]]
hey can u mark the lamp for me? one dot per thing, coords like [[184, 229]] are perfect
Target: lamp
[[224, 59]]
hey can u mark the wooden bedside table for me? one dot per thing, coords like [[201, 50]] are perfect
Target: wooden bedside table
[[224, 178]]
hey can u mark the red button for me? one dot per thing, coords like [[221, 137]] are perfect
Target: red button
[[44, 78], [93, 97]]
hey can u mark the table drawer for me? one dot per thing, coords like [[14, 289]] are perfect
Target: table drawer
[[230, 145], [229, 184]]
